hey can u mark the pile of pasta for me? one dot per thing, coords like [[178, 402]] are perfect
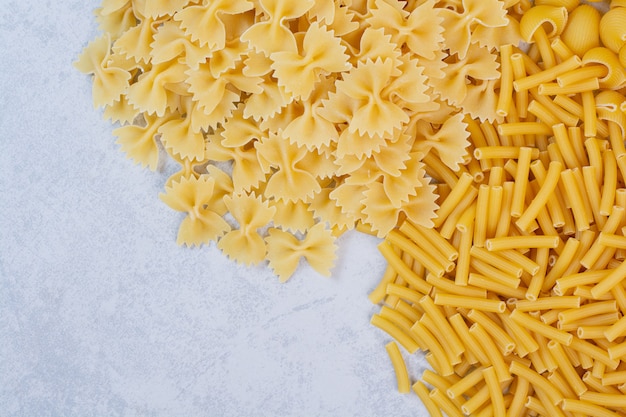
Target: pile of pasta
[[482, 139], [295, 121], [517, 294]]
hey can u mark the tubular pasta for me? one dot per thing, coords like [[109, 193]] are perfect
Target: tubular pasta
[[402, 376]]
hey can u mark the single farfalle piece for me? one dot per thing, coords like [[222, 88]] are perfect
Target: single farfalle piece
[[139, 142], [354, 144], [292, 216], [494, 37], [239, 130], [481, 100], [247, 172], [478, 64], [171, 42], [459, 26], [324, 209], [268, 102], [410, 87], [450, 140], [161, 8], [109, 83], [179, 138], [349, 198], [227, 58], [121, 111], [420, 30], [196, 197], [290, 178], [203, 23], [322, 11], [285, 250], [391, 159], [217, 98], [153, 92], [135, 42], [374, 114], [383, 216], [321, 54], [375, 45], [115, 17], [398, 187], [343, 22], [273, 35], [308, 128], [245, 244]]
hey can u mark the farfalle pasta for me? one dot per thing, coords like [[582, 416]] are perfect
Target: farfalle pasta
[[245, 244], [329, 111], [285, 250], [484, 140], [109, 82]]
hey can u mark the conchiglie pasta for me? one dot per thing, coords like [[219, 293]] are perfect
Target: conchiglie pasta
[[535, 18], [582, 32], [615, 77], [612, 29], [568, 4]]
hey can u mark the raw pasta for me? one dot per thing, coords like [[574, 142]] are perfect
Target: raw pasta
[[333, 111], [547, 335], [494, 170]]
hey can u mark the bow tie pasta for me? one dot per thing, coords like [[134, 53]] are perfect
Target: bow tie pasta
[[483, 141]]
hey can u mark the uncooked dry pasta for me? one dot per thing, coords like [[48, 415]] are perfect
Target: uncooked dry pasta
[[492, 169], [578, 231]]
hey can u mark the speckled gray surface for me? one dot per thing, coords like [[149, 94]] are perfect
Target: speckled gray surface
[[102, 314]]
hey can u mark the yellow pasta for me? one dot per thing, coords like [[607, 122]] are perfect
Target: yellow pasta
[[442, 324], [402, 269], [586, 408], [581, 74], [466, 383], [582, 30], [404, 339], [616, 330], [505, 343], [491, 173], [454, 198], [418, 253], [524, 128], [433, 345], [547, 303], [536, 326], [506, 81], [604, 399], [494, 306], [538, 381], [609, 281], [518, 242], [422, 392], [430, 236], [402, 376], [444, 403], [535, 80]]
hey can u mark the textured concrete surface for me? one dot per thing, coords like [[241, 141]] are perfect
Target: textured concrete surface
[[102, 314]]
